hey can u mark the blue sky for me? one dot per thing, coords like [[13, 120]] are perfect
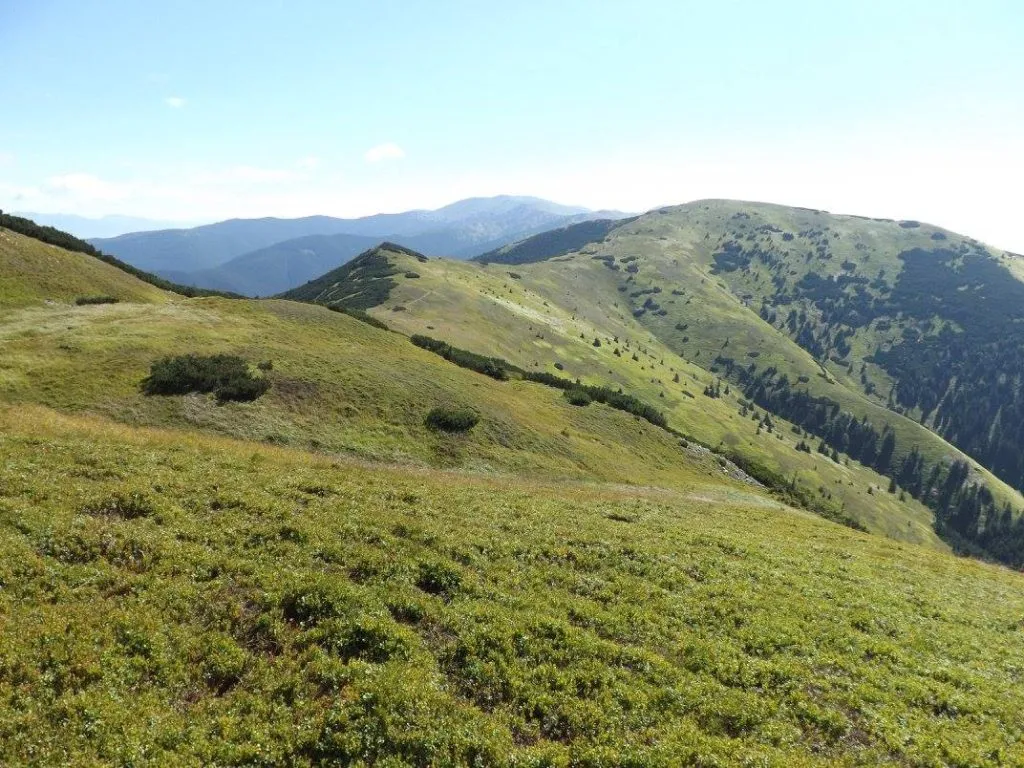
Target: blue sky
[[204, 110]]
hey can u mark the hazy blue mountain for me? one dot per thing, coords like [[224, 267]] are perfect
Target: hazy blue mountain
[[238, 254], [281, 266], [105, 226]]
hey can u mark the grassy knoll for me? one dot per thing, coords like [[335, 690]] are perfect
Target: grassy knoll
[[171, 598], [33, 273], [550, 313]]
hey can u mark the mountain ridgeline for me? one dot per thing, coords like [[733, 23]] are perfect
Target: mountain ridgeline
[[261, 257], [896, 345], [541, 513]]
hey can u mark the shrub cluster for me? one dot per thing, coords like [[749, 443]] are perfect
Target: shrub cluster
[[227, 376], [577, 396], [446, 419], [606, 395], [360, 315], [84, 300], [494, 367], [500, 369]]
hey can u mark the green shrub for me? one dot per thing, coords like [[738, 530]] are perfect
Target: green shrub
[[446, 419], [223, 662], [85, 300], [359, 315], [368, 638], [125, 505], [316, 601], [226, 376], [577, 397], [438, 578], [495, 367], [412, 275]]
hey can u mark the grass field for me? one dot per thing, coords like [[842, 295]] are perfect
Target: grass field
[[318, 578], [171, 598]]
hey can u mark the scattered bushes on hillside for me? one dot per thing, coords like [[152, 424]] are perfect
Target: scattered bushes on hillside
[[494, 367], [86, 300], [227, 377], [360, 315], [445, 419], [500, 369], [606, 395]]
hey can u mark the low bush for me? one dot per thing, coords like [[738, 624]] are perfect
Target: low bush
[[127, 506], [439, 578], [86, 300], [445, 419], [226, 376], [577, 397], [359, 315], [495, 367]]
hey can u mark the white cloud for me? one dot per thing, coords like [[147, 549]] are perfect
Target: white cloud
[[309, 163], [86, 186], [6, 158], [175, 102], [387, 151], [245, 174]]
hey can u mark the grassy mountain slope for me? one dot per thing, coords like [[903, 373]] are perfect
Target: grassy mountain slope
[[338, 385], [181, 599], [848, 308], [664, 279], [55, 237], [186, 583], [33, 273], [524, 317], [553, 243]]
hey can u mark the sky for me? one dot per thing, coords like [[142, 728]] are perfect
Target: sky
[[199, 111]]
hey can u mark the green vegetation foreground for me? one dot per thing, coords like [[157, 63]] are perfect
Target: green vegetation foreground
[[168, 598]]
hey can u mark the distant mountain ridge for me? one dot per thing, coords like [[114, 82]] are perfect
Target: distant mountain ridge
[[86, 227], [233, 255]]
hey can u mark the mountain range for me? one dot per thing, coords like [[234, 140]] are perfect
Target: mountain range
[[259, 257], [103, 226], [723, 483]]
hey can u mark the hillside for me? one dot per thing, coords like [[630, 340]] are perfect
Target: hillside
[[652, 284], [338, 385], [204, 601], [317, 577], [462, 229], [33, 273]]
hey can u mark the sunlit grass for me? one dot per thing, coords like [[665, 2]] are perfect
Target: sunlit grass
[[176, 598]]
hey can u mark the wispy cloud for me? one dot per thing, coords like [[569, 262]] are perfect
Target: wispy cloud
[[86, 186], [308, 163], [174, 102], [6, 158], [387, 151], [245, 174]]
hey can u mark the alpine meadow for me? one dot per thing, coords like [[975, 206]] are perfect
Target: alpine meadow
[[328, 438]]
